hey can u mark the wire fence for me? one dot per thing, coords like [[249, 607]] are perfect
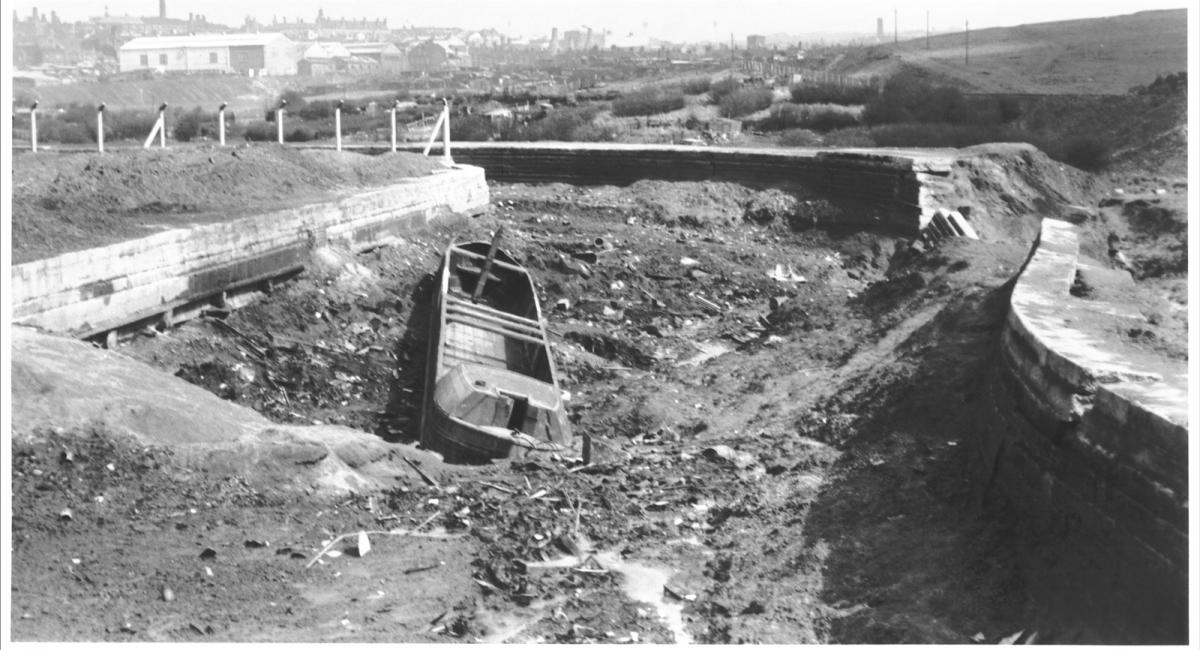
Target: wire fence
[[797, 74], [82, 133]]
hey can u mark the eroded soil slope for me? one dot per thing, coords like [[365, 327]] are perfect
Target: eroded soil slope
[[64, 202]]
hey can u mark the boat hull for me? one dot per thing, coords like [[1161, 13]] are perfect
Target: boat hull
[[491, 388]]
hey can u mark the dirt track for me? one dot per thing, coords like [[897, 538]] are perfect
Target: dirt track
[[777, 461]]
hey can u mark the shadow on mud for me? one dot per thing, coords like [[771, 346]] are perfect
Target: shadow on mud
[[401, 418]]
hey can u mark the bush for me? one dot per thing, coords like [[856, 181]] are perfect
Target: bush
[[649, 100], [195, 123], [473, 128], [559, 125], [1085, 152], [818, 117], [696, 85], [718, 90], [127, 125], [65, 132], [746, 100], [594, 133], [943, 135], [1172, 84], [259, 132], [827, 93], [301, 134], [857, 136], [909, 97], [295, 100], [1009, 108], [318, 110]]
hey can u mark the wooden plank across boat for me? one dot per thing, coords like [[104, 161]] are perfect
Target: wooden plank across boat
[[491, 389]]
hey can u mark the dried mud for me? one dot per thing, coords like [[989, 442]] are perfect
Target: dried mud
[[783, 423]]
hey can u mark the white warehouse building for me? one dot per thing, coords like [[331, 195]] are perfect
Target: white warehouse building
[[245, 54]]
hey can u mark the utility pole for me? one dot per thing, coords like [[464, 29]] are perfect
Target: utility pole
[[732, 56], [967, 44], [896, 26], [926, 29]]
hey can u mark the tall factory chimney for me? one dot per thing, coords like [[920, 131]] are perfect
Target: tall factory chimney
[[162, 8]]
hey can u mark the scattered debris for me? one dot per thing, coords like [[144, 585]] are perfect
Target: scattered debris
[[425, 477], [780, 273]]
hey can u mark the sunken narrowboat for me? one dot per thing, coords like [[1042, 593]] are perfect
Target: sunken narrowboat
[[491, 389]]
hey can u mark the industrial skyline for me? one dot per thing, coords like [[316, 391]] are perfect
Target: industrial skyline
[[677, 20]]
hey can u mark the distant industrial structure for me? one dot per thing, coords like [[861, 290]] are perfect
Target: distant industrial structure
[[325, 28], [48, 51], [245, 54]]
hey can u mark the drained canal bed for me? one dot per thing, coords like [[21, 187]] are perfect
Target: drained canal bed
[[781, 420]]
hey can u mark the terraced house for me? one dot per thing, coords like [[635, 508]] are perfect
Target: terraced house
[[251, 55]]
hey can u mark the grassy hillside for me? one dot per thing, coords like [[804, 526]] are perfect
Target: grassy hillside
[[1094, 55]]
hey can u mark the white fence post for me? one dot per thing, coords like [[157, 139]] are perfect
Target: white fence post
[[33, 128], [433, 134], [279, 120], [153, 132], [337, 123], [446, 135], [160, 129], [100, 127], [221, 123], [394, 105], [443, 122]]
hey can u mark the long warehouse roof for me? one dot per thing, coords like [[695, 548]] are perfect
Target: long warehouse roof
[[200, 40]]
